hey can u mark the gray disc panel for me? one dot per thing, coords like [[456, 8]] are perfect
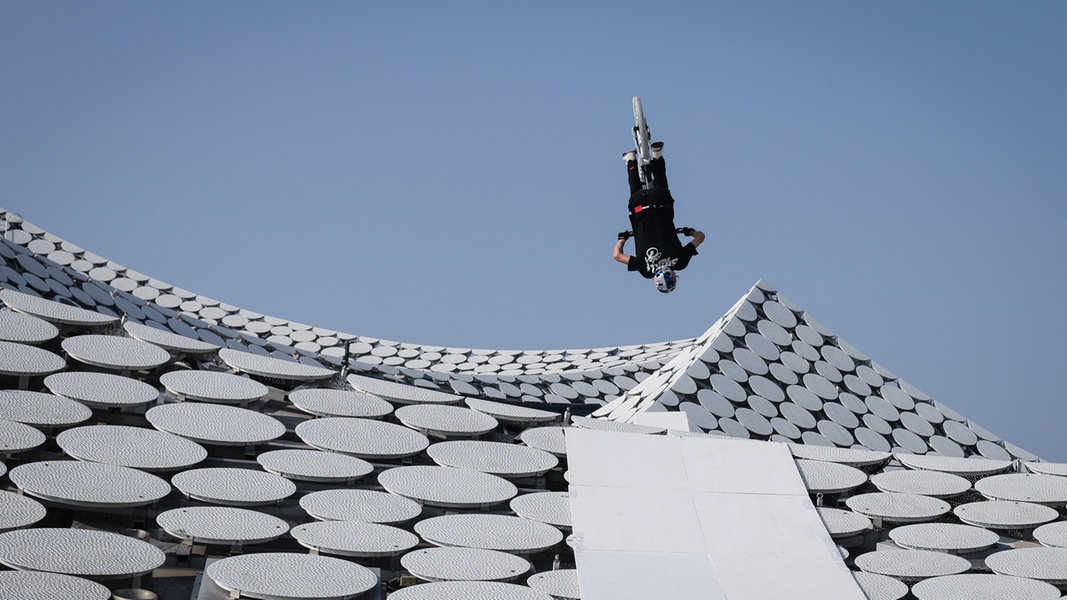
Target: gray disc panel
[[101, 390], [210, 386], [552, 508], [323, 402], [880, 587], [135, 447], [88, 485], [18, 511], [276, 368], [41, 409], [1005, 515], [354, 538], [314, 465], [821, 477], [116, 353], [366, 506], [497, 458], [34, 585], [290, 576], [215, 424], [512, 413], [447, 487], [464, 564], [944, 537], [18, 437], [912, 565], [898, 508], [25, 329], [81, 552], [364, 438], [233, 487], [167, 340], [985, 586], [1050, 490], [489, 532], [468, 590], [53, 312], [1053, 535], [445, 421], [925, 483], [561, 584], [22, 360], [221, 525], [550, 439], [842, 523]]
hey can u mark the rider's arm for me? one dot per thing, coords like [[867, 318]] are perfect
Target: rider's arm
[[698, 238], [619, 255]]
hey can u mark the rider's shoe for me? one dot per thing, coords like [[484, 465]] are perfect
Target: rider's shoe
[[657, 149], [629, 155]]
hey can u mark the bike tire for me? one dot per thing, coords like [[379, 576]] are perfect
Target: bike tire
[[642, 141]]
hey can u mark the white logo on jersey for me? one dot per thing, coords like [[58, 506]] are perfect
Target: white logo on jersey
[[654, 259]]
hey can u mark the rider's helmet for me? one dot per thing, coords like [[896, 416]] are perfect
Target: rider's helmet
[[665, 279]]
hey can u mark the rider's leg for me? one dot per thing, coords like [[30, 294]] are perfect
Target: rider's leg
[[659, 172], [633, 176]]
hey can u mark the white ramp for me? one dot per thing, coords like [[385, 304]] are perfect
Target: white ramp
[[696, 518]]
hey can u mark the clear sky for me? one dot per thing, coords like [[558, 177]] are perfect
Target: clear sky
[[449, 173]]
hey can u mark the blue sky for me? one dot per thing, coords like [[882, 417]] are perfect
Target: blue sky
[[449, 173]]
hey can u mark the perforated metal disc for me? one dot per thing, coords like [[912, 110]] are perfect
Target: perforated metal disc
[[999, 514], [512, 413], [829, 478], [83, 552], [846, 456], [898, 508], [113, 352], [33, 585], [448, 487], [25, 329], [880, 587], [354, 538], [497, 458], [17, 511], [969, 586], [1050, 490], [53, 312], [367, 506], [20, 359], [464, 564], [561, 584], [1053, 535], [282, 575], [365, 438], [400, 393], [314, 465], [233, 487], [549, 439], [101, 390], [221, 525], [167, 340], [37, 408], [445, 421], [268, 366], [489, 532], [212, 386], [926, 483], [135, 447], [964, 467], [324, 402], [88, 485], [18, 437], [215, 424], [842, 523], [468, 590], [944, 537], [552, 508], [912, 565]]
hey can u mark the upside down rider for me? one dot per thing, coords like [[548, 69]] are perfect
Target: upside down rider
[[659, 253]]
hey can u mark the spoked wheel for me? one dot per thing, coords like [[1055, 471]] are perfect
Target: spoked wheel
[[642, 142]]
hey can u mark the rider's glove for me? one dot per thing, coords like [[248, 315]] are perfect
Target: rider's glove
[[625, 235], [685, 231]]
